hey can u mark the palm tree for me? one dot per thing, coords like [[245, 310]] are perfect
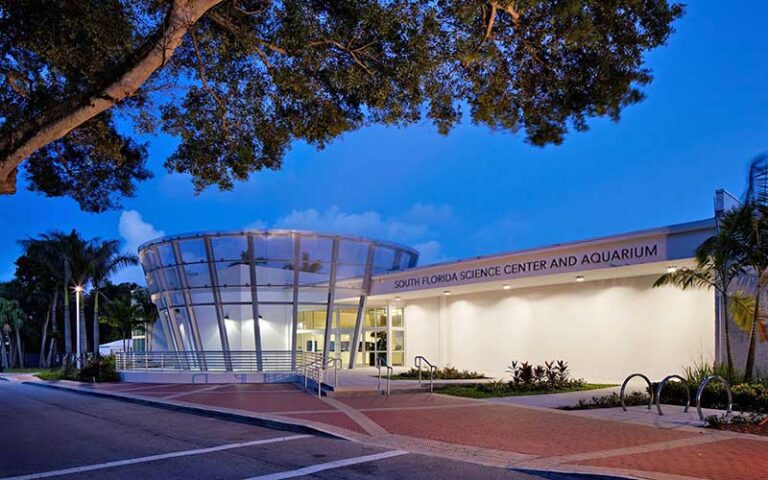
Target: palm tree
[[124, 314], [12, 315], [149, 312], [753, 236], [717, 266], [105, 259]]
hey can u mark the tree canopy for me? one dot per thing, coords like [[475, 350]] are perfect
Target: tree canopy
[[238, 81]]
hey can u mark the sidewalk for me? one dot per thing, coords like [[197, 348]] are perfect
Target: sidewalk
[[636, 444]]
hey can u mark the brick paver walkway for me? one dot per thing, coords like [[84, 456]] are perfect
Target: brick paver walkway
[[491, 433]]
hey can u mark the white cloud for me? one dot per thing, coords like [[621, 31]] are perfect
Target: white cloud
[[429, 252], [135, 231]]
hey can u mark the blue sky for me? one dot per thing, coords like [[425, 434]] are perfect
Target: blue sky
[[478, 192]]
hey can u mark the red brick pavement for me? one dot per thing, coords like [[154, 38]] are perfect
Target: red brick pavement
[[491, 426], [734, 459]]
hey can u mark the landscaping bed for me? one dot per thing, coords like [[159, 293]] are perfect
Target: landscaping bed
[[755, 424], [485, 390]]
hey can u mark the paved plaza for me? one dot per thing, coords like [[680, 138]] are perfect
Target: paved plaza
[[515, 437]]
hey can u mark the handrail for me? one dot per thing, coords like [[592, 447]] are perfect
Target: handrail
[[624, 386], [380, 362], [661, 386], [318, 377], [417, 361], [337, 363], [701, 391]]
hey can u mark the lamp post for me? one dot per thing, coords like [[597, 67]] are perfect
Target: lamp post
[[78, 290]]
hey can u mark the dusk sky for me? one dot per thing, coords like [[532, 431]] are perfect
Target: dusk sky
[[476, 192]]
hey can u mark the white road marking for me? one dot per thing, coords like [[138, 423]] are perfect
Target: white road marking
[[328, 466], [152, 458]]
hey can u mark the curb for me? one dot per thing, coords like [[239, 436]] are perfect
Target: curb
[[200, 411]]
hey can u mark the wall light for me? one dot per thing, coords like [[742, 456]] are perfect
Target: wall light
[[397, 299], [447, 292], [580, 278], [672, 269], [507, 287]]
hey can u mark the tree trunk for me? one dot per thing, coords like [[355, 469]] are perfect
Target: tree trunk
[[19, 351], [96, 322], [51, 349], [67, 323], [749, 367], [3, 352], [83, 330], [44, 335], [54, 123], [727, 330]]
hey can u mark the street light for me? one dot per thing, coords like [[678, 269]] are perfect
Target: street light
[[78, 290]]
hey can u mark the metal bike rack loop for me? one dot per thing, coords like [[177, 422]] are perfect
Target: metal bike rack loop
[[701, 391], [661, 386], [624, 387]]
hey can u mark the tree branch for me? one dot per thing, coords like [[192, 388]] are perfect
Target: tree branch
[[54, 123], [204, 81]]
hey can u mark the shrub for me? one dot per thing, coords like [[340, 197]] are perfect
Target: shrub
[[446, 373], [552, 375], [100, 369], [611, 401]]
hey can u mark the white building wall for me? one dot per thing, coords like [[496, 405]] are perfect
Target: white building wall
[[605, 330]]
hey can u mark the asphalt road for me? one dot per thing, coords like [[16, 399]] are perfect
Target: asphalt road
[[46, 433]]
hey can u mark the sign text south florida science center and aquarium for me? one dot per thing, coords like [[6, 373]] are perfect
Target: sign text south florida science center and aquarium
[[520, 266]]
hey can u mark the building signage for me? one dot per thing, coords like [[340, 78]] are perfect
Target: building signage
[[531, 266]]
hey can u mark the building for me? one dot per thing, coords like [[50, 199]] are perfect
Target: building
[[591, 303]]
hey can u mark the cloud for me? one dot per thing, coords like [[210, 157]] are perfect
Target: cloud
[[135, 231], [430, 252]]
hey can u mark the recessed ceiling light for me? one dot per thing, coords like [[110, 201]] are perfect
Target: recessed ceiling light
[[397, 299], [507, 287], [447, 292], [580, 278], [672, 269]]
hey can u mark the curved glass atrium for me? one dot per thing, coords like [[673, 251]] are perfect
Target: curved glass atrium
[[307, 291]]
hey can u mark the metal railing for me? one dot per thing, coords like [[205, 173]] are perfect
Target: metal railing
[[418, 361], [380, 362], [213, 361], [337, 364], [314, 371]]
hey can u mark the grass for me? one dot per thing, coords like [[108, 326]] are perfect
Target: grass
[[21, 370], [51, 375], [475, 391]]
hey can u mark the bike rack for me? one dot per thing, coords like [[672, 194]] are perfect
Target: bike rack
[[661, 386], [701, 391], [380, 362], [432, 369], [624, 386]]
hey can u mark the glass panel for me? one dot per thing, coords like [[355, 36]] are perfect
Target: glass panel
[[349, 271], [398, 340], [274, 273], [230, 248], [193, 251], [172, 281], [348, 317], [313, 295], [208, 325], [197, 275], [398, 359], [201, 295], [151, 283], [149, 258], [238, 322], [397, 316], [184, 328], [313, 273], [275, 324], [315, 249], [232, 273], [165, 251], [383, 259], [405, 261], [279, 248], [235, 294], [312, 319], [177, 299], [353, 252], [275, 294], [376, 317]]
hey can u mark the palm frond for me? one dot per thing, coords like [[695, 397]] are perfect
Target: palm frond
[[757, 181], [686, 278]]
